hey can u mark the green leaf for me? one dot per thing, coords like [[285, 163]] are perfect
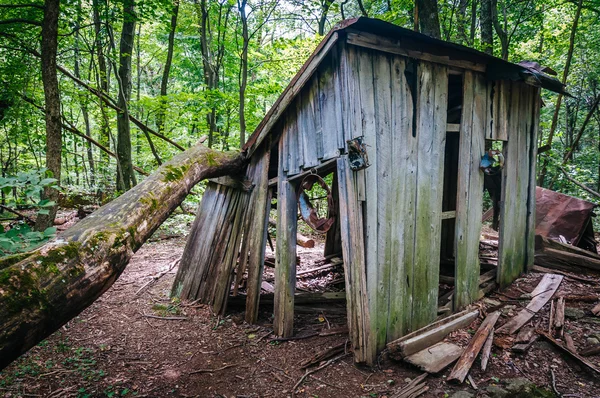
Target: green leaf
[[50, 231]]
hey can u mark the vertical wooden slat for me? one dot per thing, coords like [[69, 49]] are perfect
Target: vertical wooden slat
[[333, 243], [431, 134], [210, 229], [500, 110], [328, 104], [403, 199], [515, 191], [256, 233], [222, 283], [306, 125], [285, 270], [193, 247], [292, 147], [535, 114], [380, 188], [338, 88], [365, 81], [470, 189], [354, 265]]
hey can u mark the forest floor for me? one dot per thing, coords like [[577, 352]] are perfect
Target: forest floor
[[114, 348]]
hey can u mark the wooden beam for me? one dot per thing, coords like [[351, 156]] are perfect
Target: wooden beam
[[462, 367], [379, 43], [541, 295], [431, 334]]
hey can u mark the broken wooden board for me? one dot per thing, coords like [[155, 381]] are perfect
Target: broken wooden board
[[435, 358], [429, 335], [582, 361], [413, 389], [462, 367], [487, 350], [541, 295]]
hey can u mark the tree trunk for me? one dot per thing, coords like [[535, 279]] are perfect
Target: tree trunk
[[487, 28], [52, 99], [544, 168], [325, 6], [84, 105], [102, 82], [243, 70], [429, 21], [502, 34], [44, 289], [126, 179], [167, 70]]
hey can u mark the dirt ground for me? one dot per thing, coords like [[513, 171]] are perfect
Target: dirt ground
[[120, 346]]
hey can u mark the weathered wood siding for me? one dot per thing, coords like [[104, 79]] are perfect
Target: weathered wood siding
[[402, 191], [210, 254], [313, 131], [518, 181], [469, 204]]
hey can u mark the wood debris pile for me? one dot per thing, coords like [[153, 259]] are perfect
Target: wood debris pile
[[499, 322]]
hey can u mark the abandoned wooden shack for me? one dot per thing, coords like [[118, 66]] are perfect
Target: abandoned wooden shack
[[402, 121]]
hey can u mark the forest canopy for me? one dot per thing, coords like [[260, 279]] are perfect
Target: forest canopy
[[96, 94]]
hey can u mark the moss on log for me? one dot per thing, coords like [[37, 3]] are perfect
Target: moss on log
[[44, 290]]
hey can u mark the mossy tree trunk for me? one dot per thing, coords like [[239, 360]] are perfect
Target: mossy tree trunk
[[45, 289]]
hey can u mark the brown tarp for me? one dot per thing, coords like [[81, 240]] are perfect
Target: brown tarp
[[559, 215]]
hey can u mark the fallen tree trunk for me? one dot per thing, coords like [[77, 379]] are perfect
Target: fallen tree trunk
[[45, 289]]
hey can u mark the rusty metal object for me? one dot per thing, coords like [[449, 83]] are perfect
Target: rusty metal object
[[307, 210], [559, 215], [357, 154]]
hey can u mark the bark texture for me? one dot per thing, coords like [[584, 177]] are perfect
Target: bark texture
[[429, 21], [125, 175], [46, 288], [52, 99]]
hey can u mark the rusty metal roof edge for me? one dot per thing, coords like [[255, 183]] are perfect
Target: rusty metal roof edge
[[378, 27]]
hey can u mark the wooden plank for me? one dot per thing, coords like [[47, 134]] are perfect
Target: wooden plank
[[453, 127], [513, 208], [470, 190], [339, 87], [292, 147], [352, 106], [535, 104], [541, 295], [380, 208], [501, 109], [559, 317], [403, 203], [446, 215], [566, 259], [380, 43], [435, 358], [307, 126], [229, 262], [256, 234], [586, 364], [354, 266], [285, 270], [487, 350], [462, 367], [430, 334], [368, 118], [431, 135], [328, 106]]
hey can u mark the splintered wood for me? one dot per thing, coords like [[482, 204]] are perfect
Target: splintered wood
[[462, 367], [540, 296], [429, 335]]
